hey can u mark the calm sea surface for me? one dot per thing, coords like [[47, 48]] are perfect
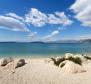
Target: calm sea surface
[[43, 49]]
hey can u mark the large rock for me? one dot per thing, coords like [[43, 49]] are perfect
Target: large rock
[[68, 55], [83, 59], [5, 61], [20, 63], [57, 60], [71, 67], [62, 64]]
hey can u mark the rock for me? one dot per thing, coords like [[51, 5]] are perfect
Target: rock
[[58, 60], [5, 61], [48, 60], [67, 55], [78, 55], [51, 62], [62, 64], [87, 57], [83, 59], [71, 67], [20, 63]]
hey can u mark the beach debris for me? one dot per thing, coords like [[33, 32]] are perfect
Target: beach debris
[[5, 61], [20, 63]]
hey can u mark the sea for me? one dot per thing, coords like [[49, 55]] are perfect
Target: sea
[[28, 49]]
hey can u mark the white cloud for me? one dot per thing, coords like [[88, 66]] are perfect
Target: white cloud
[[12, 24], [51, 36], [36, 17], [13, 15], [85, 37], [63, 18], [82, 8], [39, 19], [32, 35]]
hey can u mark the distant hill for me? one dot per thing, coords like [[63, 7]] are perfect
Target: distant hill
[[59, 41], [86, 41]]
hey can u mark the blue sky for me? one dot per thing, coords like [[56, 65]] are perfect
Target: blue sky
[[44, 20]]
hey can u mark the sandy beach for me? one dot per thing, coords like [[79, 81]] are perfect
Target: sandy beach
[[38, 71]]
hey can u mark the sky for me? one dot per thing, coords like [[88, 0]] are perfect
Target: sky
[[44, 20]]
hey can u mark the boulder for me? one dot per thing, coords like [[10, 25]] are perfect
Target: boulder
[[87, 57], [68, 55], [5, 61], [83, 59], [57, 60], [62, 64], [20, 63], [71, 67]]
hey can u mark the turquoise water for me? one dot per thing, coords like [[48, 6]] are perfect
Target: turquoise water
[[43, 49]]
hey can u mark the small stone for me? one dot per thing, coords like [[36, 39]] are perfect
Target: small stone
[[20, 63], [67, 55], [5, 61]]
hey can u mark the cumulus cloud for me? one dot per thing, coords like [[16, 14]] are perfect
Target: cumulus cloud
[[12, 24], [36, 17], [82, 8], [32, 35], [39, 19], [13, 15], [52, 35], [63, 18]]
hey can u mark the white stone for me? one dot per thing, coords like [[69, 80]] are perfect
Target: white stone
[[67, 55], [71, 67], [5, 61]]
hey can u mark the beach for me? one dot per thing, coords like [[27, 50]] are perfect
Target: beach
[[39, 71], [45, 41]]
